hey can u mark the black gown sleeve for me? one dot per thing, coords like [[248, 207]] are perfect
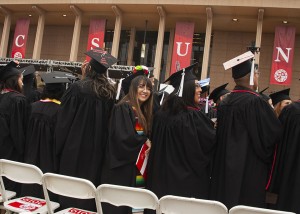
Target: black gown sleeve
[[124, 142], [264, 128], [20, 110]]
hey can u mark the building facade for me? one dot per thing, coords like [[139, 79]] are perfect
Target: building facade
[[223, 29]]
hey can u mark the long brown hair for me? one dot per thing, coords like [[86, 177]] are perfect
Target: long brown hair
[[144, 111], [100, 83]]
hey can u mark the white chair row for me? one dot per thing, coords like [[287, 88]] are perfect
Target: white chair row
[[113, 194]]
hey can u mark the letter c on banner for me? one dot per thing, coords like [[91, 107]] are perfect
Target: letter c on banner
[[178, 48], [17, 40]]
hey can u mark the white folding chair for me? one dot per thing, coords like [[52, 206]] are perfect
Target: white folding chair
[[70, 187], [5, 195], [240, 209], [170, 204], [26, 174], [127, 196]]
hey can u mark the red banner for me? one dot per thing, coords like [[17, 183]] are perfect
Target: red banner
[[96, 34], [20, 38], [283, 54], [183, 44]]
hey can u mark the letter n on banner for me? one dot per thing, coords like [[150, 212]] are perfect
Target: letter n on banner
[[20, 38], [183, 44], [96, 34], [283, 54]]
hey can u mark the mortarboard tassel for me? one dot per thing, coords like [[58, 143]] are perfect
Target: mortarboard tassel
[[252, 73], [206, 105], [162, 99], [181, 84], [119, 89]]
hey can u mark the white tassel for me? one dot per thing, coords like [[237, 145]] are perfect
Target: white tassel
[[181, 84], [119, 89], [162, 99], [206, 105], [252, 73]]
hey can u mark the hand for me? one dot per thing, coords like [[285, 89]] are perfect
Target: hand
[[148, 143], [83, 68]]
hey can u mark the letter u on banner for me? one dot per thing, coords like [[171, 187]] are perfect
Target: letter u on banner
[[283, 54], [96, 34], [183, 44], [20, 38]]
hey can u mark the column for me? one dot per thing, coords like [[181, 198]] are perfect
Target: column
[[117, 31], [170, 52], [259, 32], [76, 33], [131, 46], [160, 42], [39, 33], [207, 43], [5, 32]]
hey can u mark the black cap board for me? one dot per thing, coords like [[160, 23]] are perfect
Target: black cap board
[[101, 60], [280, 95], [9, 70], [57, 77], [218, 92]]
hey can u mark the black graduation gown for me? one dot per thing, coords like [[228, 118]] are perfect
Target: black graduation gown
[[181, 154], [14, 113], [81, 135], [286, 176], [40, 136], [39, 149], [247, 132], [124, 145]]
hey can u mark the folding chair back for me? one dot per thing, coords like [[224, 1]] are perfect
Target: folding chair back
[[170, 204], [68, 186], [240, 209], [25, 174], [5, 194], [20, 172], [127, 196]]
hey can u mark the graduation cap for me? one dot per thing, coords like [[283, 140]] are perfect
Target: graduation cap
[[263, 95], [101, 60], [218, 92], [204, 84], [57, 77], [241, 66], [9, 70], [124, 83], [178, 78], [27, 70], [280, 95]]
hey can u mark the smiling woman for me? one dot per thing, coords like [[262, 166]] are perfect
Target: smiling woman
[[129, 131]]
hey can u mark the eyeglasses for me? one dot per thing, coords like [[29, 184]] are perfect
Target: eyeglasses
[[144, 87]]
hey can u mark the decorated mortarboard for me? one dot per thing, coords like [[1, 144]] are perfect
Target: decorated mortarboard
[[178, 78], [280, 96], [27, 70], [241, 66], [263, 95], [124, 83], [101, 60], [9, 70], [218, 92], [56, 77]]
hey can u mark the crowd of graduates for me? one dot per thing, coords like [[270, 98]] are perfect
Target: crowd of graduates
[[238, 147]]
